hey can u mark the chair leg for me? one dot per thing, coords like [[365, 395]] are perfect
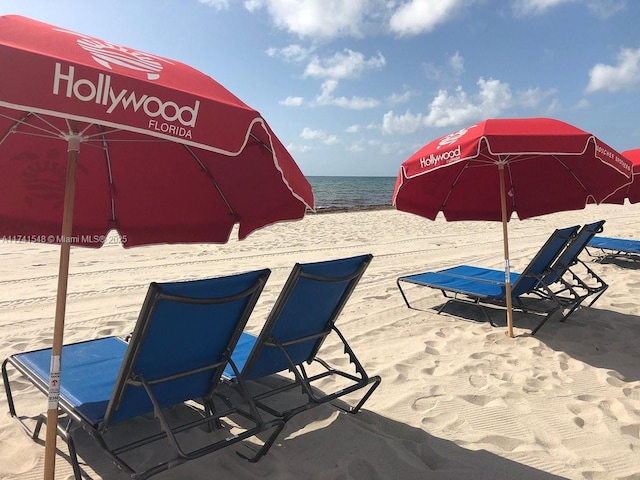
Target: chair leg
[[375, 381], [406, 301], [266, 446]]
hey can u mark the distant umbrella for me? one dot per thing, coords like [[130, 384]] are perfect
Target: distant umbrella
[[488, 171], [632, 191]]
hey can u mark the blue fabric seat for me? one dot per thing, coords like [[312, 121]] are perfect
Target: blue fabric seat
[[485, 286], [177, 353], [301, 319], [615, 247]]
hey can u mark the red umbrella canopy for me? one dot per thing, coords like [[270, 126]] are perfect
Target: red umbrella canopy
[[549, 166], [632, 192], [166, 154]]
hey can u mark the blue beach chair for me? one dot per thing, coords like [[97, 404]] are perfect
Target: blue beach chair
[[302, 317], [177, 353], [615, 247], [484, 286], [563, 278], [562, 282]]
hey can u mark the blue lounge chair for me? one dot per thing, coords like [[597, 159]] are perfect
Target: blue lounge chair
[[177, 353], [302, 317], [562, 279], [563, 276], [484, 286], [615, 247]]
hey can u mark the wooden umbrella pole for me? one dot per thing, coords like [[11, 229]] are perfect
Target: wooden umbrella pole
[[61, 303], [505, 240]]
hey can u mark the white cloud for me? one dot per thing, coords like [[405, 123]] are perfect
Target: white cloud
[[613, 78], [601, 8], [354, 103], [310, 134], [583, 103], [355, 148], [534, 97], [290, 53], [331, 140], [459, 108], [343, 65], [217, 4], [352, 129], [399, 98], [453, 70], [449, 110], [522, 8], [316, 18], [420, 16], [319, 135], [295, 148], [401, 124], [457, 64], [292, 101], [606, 8]]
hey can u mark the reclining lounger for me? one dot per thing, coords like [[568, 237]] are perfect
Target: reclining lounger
[[484, 286], [615, 247], [302, 317]]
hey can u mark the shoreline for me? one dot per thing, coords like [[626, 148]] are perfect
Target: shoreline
[[355, 208]]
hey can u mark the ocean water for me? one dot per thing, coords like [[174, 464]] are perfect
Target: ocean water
[[337, 193]]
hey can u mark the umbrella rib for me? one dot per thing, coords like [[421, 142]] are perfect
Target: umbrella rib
[[261, 143], [102, 133], [453, 186], [211, 179], [107, 158], [43, 132]]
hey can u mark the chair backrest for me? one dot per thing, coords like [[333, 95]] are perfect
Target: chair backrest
[[570, 255], [543, 260], [184, 337], [304, 313]]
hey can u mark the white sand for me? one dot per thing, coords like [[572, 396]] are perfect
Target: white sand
[[458, 399]]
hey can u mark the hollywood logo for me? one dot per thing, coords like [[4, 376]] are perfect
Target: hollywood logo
[[442, 157], [102, 92]]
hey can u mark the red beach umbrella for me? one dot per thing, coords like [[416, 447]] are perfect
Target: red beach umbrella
[[488, 171], [632, 191], [96, 136]]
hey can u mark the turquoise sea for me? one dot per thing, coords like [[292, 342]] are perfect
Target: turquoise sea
[[339, 193]]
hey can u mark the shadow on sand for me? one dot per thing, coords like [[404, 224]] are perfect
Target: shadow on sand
[[323, 444]]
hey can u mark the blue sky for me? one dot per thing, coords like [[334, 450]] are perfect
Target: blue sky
[[354, 87]]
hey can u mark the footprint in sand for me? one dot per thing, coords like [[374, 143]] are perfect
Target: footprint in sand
[[632, 430], [377, 297], [587, 417], [615, 379], [445, 332], [632, 393], [431, 400], [431, 370], [478, 381], [447, 421], [570, 365], [435, 347], [595, 408], [484, 400], [508, 444]]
